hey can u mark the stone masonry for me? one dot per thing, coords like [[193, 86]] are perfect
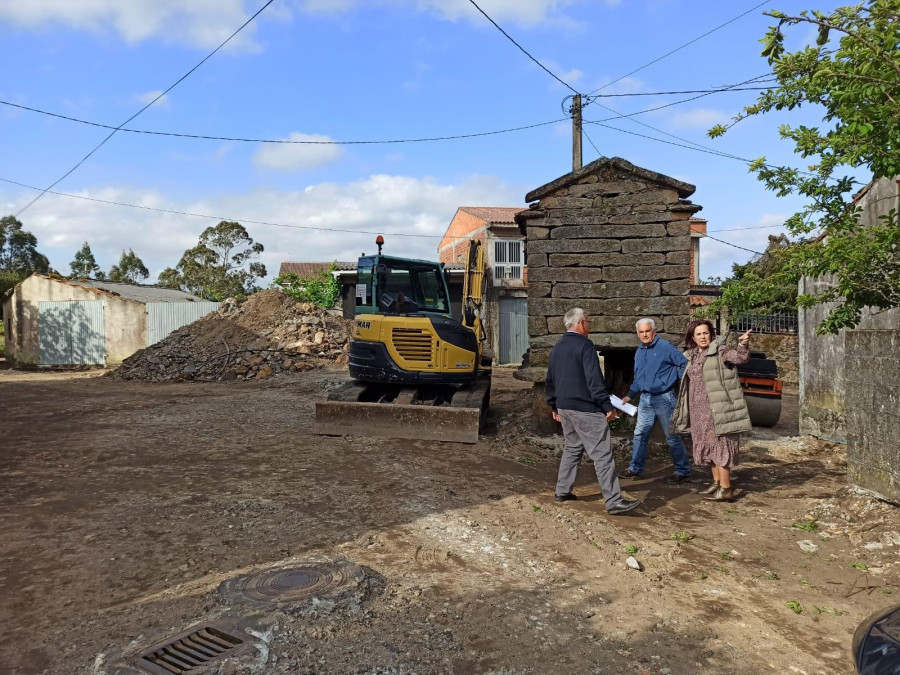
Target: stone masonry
[[614, 239]]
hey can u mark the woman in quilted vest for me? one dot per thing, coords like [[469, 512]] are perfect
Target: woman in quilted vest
[[711, 404]]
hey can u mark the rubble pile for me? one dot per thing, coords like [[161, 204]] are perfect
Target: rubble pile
[[267, 334]]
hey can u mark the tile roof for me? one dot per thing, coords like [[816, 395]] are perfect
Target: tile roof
[[494, 214], [303, 269]]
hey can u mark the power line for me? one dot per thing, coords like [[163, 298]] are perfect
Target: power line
[[277, 141], [683, 91], [113, 132], [728, 243], [680, 145], [584, 131], [678, 49], [523, 50], [204, 215]]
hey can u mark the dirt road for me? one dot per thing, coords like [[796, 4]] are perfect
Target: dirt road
[[124, 506]]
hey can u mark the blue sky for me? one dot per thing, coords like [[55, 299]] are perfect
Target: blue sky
[[365, 70]]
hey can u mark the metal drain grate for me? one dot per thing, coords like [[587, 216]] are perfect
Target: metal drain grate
[[193, 649]]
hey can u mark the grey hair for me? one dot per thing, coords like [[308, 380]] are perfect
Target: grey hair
[[652, 323], [573, 317]]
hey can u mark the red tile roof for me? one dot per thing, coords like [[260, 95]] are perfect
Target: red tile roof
[[493, 214]]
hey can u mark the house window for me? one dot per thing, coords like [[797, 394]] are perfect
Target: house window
[[507, 259]]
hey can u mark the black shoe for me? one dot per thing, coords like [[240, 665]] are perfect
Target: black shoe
[[677, 478], [568, 497], [623, 506], [628, 473]]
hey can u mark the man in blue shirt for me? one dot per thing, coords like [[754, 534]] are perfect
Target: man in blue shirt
[[658, 366], [577, 393]]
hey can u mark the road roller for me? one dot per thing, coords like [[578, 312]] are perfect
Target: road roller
[[762, 389]]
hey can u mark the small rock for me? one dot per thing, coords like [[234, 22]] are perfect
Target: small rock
[[634, 564], [874, 546], [807, 546]]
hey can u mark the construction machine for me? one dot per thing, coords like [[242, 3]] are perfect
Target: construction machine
[[418, 372], [762, 389]]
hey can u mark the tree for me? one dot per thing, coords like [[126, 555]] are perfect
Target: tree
[[853, 73], [765, 285], [130, 270], [19, 257], [219, 266], [84, 265]]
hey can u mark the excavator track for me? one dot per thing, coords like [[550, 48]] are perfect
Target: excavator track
[[437, 413]]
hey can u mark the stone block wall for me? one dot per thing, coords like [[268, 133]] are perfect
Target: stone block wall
[[616, 243], [784, 349], [872, 373]]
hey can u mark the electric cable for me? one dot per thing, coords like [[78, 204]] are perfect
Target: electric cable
[[282, 141], [678, 49], [524, 51], [220, 218], [171, 87]]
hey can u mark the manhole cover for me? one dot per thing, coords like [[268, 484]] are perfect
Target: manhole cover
[[293, 584]]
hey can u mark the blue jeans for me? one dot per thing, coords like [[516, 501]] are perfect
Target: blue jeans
[[660, 407]]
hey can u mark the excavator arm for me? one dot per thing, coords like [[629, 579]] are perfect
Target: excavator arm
[[474, 285]]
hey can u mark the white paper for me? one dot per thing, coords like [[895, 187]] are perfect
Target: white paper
[[361, 292], [626, 408]]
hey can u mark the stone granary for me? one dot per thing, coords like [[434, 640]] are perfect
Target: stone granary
[[614, 239]]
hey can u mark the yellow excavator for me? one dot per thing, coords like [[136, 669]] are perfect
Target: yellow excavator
[[417, 372]]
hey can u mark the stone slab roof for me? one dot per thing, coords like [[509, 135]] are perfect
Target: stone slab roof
[[684, 189]]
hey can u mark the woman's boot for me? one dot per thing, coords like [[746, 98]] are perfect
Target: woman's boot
[[711, 489], [721, 495]]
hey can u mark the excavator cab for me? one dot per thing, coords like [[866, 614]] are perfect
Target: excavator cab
[[417, 371]]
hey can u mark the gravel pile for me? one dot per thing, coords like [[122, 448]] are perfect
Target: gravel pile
[[267, 334]]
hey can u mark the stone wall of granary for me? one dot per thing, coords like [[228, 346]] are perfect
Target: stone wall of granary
[[616, 243]]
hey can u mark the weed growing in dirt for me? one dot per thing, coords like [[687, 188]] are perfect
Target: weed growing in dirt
[[772, 576], [735, 511], [807, 525], [702, 575], [683, 537], [860, 566], [829, 609], [537, 509], [527, 460], [723, 569], [726, 555], [885, 591], [804, 583], [631, 549], [794, 606]]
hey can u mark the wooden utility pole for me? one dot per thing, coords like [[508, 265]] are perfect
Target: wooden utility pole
[[576, 132]]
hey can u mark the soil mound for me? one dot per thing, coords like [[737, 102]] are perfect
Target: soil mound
[[267, 334]]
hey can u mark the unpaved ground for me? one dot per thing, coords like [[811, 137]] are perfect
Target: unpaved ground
[[124, 505]]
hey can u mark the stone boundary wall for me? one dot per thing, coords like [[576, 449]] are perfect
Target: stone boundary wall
[[616, 244], [872, 374], [784, 348]]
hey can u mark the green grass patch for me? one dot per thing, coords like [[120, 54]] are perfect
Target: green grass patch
[[807, 525], [527, 460], [683, 537], [537, 509], [794, 606], [859, 566], [631, 549]]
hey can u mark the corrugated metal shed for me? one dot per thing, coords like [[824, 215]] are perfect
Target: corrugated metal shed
[[138, 293]]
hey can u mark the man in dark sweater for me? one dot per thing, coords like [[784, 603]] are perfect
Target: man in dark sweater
[[658, 367], [577, 393]]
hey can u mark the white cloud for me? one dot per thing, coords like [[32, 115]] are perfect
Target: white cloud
[[149, 96], [285, 157], [699, 117], [383, 204], [204, 23]]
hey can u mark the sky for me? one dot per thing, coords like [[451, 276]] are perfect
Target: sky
[[368, 70]]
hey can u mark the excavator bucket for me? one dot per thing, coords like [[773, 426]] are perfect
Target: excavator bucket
[[404, 416]]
